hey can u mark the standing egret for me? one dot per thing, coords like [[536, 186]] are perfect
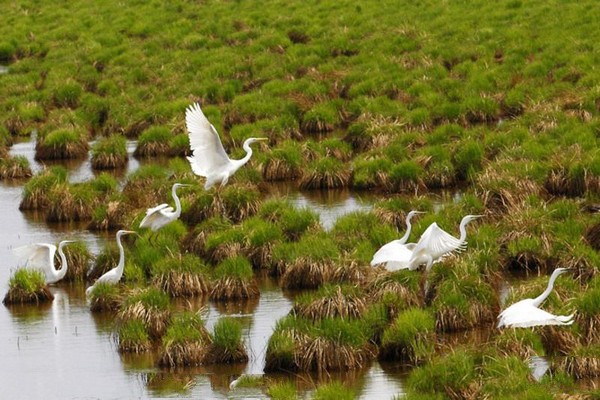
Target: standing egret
[[397, 253], [41, 256], [163, 214], [113, 276], [209, 158], [436, 243], [525, 313]]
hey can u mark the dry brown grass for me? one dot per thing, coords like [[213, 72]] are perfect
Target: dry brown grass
[[382, 285], [590, 327], [108, 161], [115, 217], [321, 354], [560, 183], [325, 180], [219, 355], [179, 354], [450, 319], [279, 170], [78, 262], [579, 367], [306, 274], [152, 149], [501, 193], [64, 206], [156, 321], [592, 236], [234, 288], [71, 150], [224, 251], [11, 169], [558, 340], [336, 304], [16, 295], [182, 283], [105, 303]]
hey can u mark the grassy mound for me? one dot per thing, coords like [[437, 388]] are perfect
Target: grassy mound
[[27, 286]]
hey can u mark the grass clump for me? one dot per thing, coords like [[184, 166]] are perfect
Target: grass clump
[[185, 342], [325, 173], [154, 142], [133, 337], [105, 297], [61, 144], [36, 191], [283, 163], [410, 337], [234, 279], [27, 286], [227, 344], [331, 301], [181, 276], [294, 222], [109, 153], [282, 390], [16, 167], [150, 306], [78, 259], [334, 391]]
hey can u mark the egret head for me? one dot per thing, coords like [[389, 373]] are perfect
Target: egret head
[[178, 185], [62, 243], [413, 213], [469, 218], [253, 139], [124, 232], [559, 271]]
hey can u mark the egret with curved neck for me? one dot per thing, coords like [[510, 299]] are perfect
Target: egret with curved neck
[[41, 256], [396, 254], [163, 214], [526, 313], [209, 158], [113, 276]]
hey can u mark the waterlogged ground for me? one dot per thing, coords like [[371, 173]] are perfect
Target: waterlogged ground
[[62, 350]]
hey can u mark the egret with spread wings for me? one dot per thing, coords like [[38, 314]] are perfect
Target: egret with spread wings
[[163, 214], [397, 253], [113, 276], [209, 158], [526, 313], [41, 256]]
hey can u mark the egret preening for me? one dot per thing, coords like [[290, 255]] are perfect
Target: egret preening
[[113, 276], [397, 253], [41, 256], [525, 313], [209, 158], [436, 243], [163, 214]]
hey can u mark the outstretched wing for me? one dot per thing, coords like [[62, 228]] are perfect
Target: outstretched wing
[[38, 255], [394, 254], [527, 316], [208, 152], [436, 242], [156, 217]]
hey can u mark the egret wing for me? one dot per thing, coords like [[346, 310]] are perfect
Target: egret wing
[[157, 208], [525, 317], [394, 254], [437, 242], [37, 255], [208, 152]]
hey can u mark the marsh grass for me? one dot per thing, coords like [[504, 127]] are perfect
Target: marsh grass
[[325, 173], [109, 153], [397, 291], [522, 342], [154, 142], [227, 346], [147, 185], [181, 276], [331, 301], [111, 215], [282, 390], [16, 167], [195, 240], [283, 163], [240, 201], [410, 337], [27, 286], [333, 391], [61, 144], [234, 279], [70, 203], [185, 342], [78, 260], [292, 221], [151, 306], [583, 362], [133, 337], [105, 297], [36, 190]]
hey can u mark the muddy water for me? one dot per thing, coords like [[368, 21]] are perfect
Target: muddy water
[[62, 350]]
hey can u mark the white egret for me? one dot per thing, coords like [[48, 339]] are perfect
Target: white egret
[[163, 214], [209, 158], [114, 275], [41, 256], [525, 313], [436, 243], [397, 253]]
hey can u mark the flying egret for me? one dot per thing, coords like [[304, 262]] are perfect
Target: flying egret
[[397, 253], [41, 256], [114, 275], [436, 243], [209, 158], [163, 214], [526, 313]]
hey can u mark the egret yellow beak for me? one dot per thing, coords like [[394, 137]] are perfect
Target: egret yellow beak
[[262, 139]]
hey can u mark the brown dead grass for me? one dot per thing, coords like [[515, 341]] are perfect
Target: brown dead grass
[[306, 274], [320, 354], [279, 170], [108, 161], [325, 180], [181, 284], [219, 355], [451, 320], [156, 321], [16, 295], [183, 354], [336, 305], [234, 288], [579, 367]]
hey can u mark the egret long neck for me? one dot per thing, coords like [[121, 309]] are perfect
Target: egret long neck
[[121, 264], [404, 238], [63, 261], [246, 158], [463, 230], [177, 202], [538, 300]]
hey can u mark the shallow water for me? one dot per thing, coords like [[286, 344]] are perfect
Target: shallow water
[[62, 350]]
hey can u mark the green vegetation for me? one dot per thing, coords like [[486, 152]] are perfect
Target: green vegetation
[[234, 279], [109, 153], [133, 337], [227, 346], [181, 276], [27, 286], [105, 297], [185, 341], [61, 144], [150, 306], [14, 167]]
